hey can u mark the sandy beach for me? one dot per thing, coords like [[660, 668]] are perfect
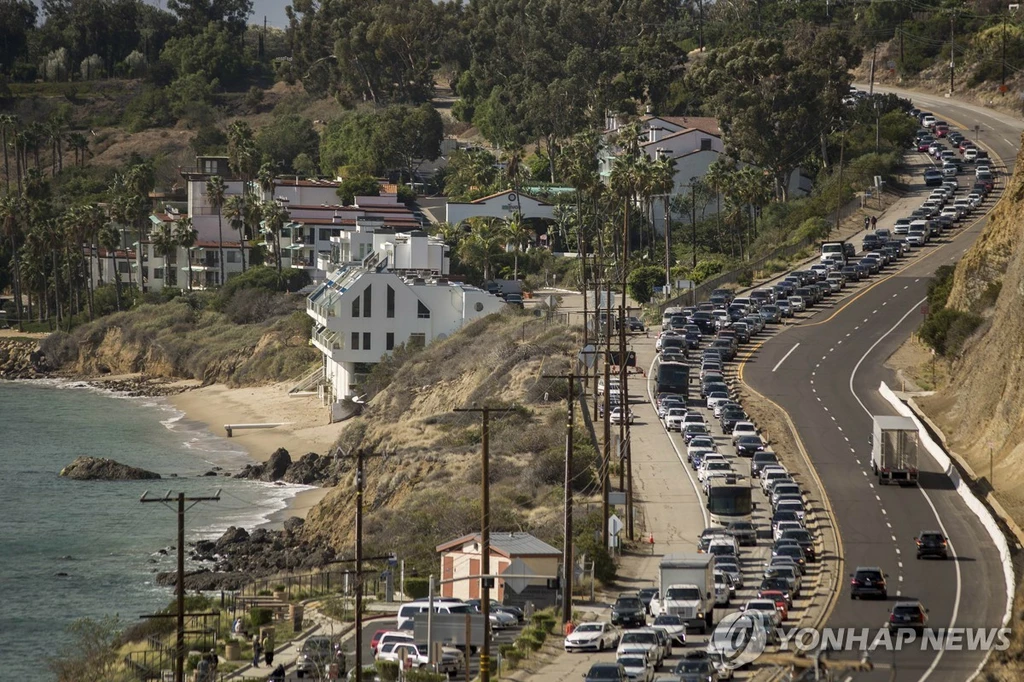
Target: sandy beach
[[304, 427]]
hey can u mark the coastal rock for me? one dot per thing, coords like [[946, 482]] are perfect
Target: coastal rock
[[277, 465], [232, 536], [206, 580], [310, 469], [252, 472], [102, 469], [21, 359], [293, 525]]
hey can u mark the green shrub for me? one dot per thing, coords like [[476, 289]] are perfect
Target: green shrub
[[417, 675], [388, 671], [417, 588], [745, 278], [947, 330], [259, 617]]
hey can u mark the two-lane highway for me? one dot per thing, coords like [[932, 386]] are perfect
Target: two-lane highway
[[829, 387]]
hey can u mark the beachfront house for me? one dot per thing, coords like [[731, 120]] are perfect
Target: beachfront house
[[385, 288], [520, 555]]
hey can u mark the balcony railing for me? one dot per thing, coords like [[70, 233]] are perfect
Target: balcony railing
[[328, 339]]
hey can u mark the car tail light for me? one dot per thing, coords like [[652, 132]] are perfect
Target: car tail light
[[853, 581], [892, 617]]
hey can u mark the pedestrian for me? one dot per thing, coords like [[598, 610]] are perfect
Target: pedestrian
[[874, 221], [214, 662], [256, 651], [268, 650], [203, 669]]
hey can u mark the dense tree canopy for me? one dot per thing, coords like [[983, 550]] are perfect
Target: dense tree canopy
[[285, 138], [380, 140]]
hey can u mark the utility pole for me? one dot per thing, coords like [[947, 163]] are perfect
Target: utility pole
[[485, 534], [359, 566], [700, 25], [1002, 86], [901, 44], [952, 49], [693, 216], [871, 84], [179, 649], [839, 189], [607, 459], [878, 125], [567, 556]]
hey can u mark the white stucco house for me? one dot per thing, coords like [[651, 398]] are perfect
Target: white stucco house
[[384, 289], [500, 205]]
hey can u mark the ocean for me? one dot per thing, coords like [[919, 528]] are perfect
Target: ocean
[[75, 549]]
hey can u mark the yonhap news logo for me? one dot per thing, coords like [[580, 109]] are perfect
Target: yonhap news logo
[[805, 640]]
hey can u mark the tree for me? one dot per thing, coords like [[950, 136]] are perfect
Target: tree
[[164, 243], [357, 186], [274, 218], [215, 190], [17, 23], [110, 239], [471, 173], [375, 142], [664, 184], [196, 16], [518, 235], [481, 247], [285, 138], [212, 53], [8, 126], [234, 210], [10, 209], [642, 280], [92, 654], [186, 235]]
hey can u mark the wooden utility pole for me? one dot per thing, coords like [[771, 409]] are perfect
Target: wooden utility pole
[[607, 459], [567, 555], [358, 620], [486, 581], [179, 649]]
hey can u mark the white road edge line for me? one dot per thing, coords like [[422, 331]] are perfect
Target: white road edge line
[[779, 363], [938, 519]]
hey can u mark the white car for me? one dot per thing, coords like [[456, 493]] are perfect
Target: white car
[[692, 418], [782, 526], [701, 444], [618, 415], [501, 620], [673, 626], [645, 640], [970, 154], [975, 199], [743, 428], [674, 417], [723, 589], [417, 655], [797, 303], [765, 605], [981, 169], [592, 637], [716, 397], [636, 666]]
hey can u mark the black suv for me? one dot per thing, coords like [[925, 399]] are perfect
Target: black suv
[[761, 460], [868, 581], [629, 612], [931, 543], [804, 539], [696, 667]]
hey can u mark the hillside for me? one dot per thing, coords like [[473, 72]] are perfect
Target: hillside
[[423, 478], [982, 406]]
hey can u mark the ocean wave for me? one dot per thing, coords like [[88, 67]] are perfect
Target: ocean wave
[[256, 511]]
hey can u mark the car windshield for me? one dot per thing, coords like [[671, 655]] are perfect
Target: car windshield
[[668, 620], [604, 672], [798, 535], [718, 466], [869, 575], [628, 604], [589, 627], [683, 594], [907, 611], [685, 666], [749, 440], [640, 637]]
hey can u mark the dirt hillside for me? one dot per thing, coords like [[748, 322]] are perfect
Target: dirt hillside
[[983, 405]]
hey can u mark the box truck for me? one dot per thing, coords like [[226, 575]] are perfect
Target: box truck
[[894, 445], [687, 589]]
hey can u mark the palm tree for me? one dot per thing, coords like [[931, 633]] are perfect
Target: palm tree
[[8, 124], [450, 233], [663, 184], [235, 210], [481, 246], [10, 209], [186, 236], [93, 219], [165, 244], [215, 190], [274, 218], [265, 178], [79, 144], [518, 236], [110, 239]]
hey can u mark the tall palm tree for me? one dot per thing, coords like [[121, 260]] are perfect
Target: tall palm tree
[[10, 209], [79, 144], [274, 218], [93, 219], [481, 246], [110, 239], [265, 178], [8, 124], [165, 244], [450, 233], [234, 211], [215, 190], [663, 184], [515, 173], [186, 235], [517, 234]]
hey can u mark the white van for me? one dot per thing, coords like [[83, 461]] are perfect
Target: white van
[[833, 251], [414, 608]]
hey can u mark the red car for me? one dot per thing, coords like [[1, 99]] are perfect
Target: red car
[[375, 640], [941, 130], [781, 605]]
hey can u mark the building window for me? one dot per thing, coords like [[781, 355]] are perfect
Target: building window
[[422, 311], [158, 273], [705, 144], [367, 293], [123, 267], [355, 306], [417, 340], [355, 340], [366, 340], [232, 256], [391, 301], [390, 341]]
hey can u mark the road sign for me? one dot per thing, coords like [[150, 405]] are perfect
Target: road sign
[[588, 355], [684, 284], [616, 498], [614, 525]]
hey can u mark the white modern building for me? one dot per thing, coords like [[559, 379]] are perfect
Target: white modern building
[[501, 205], [396, 293]]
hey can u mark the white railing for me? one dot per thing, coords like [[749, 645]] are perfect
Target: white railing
[[309, 381]]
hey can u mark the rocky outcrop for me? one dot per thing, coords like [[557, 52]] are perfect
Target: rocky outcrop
[[310, 469], [20, 359], [238, 557], [101, 469]]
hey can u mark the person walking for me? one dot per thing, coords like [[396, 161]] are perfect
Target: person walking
[[256, 651], [268, 650]]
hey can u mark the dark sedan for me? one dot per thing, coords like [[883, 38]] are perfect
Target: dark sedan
[[746, 446]]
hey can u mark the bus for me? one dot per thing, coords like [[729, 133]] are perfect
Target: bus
[[673, 377], [728, 502]]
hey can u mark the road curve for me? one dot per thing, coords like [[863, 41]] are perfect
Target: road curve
[[829, 388]]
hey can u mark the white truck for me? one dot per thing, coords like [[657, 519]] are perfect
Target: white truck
[[687, 589], [894, 446]]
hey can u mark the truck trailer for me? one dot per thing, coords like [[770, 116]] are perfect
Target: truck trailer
[[687, 589], [894, 446]]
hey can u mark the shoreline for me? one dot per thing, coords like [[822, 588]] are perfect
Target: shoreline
[[304, 429]]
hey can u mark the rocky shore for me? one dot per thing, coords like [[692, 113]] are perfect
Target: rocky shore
[[22, 359], [310, 469], [238, 557]]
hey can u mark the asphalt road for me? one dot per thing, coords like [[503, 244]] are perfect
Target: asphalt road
[[828, 385]]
